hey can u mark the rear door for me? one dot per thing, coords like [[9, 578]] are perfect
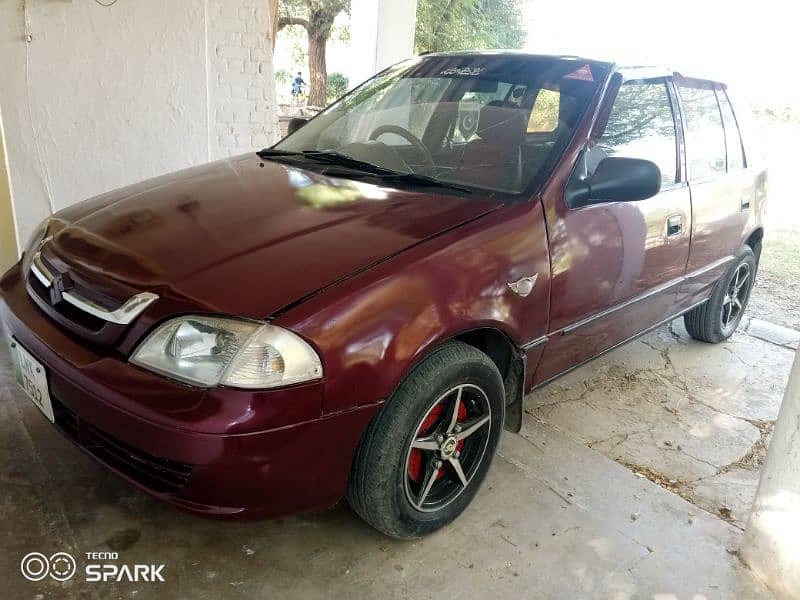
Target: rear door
[[722, 190], [617, 266]]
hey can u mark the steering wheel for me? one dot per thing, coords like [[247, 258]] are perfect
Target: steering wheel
[[406, 135]]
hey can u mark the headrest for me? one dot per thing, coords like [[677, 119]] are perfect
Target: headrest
[[501, 122]]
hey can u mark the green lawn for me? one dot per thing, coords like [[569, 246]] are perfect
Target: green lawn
[[780, 258]]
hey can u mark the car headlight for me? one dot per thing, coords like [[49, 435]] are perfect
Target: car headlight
[[208, 351]]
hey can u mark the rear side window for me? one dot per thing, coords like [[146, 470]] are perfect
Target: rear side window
[[705, 137], [641, 126], [733, 141]]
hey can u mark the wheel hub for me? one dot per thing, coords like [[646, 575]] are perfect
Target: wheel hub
[[448, 447]]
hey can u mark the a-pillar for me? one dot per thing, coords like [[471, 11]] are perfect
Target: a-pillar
[[771, 544]]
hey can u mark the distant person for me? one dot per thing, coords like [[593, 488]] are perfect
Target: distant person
[[297, 86]]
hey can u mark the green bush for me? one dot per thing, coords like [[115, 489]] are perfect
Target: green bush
[[283, 76], [338, 85]]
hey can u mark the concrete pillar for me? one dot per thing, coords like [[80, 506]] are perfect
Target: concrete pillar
[[8, 232], [771, 544], [381, 34]]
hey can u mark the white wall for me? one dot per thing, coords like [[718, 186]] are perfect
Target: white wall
[[242, 99], [102, 97], [771, 545]]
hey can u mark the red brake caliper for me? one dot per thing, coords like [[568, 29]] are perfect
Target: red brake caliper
[[415, 461]]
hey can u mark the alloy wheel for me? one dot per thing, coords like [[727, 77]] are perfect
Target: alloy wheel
[[448, 447], [735, 297]]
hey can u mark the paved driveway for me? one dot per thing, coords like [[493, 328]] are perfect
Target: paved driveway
[[559, 515], [693, 417]]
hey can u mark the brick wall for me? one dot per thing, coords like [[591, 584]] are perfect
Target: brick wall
[[133, 90], [242, 104]]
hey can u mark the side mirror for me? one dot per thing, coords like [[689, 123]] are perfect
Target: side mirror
[[616, 179], [295, 123]]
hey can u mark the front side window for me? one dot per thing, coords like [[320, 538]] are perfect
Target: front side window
[[641, 125], [705, 137], [492, 122]]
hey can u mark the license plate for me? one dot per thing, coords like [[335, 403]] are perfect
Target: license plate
[[31, 377]]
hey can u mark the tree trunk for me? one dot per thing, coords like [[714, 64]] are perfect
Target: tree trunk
[[272, 13], [318, 70]]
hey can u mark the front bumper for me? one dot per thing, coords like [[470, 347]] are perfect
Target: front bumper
[[220, 452]]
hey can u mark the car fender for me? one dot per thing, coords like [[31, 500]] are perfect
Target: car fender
[[372, 329]]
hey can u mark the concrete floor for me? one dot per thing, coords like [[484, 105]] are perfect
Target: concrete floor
[[590, 501], [694, 418]]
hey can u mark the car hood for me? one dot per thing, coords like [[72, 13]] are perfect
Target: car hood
[[248, 237]]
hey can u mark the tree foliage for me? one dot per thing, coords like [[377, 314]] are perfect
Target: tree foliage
[[338, 85], [469, 24], [316, 17]]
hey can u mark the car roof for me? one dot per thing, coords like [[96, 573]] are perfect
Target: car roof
[[501, 52], [628, 72], [653, 72]]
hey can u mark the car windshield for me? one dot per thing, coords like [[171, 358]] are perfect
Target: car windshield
[[486, 122]]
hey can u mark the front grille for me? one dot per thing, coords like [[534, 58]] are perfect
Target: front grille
[[84, 320], [98, 310], [157, 474]]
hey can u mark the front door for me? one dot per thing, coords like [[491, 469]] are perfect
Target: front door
[[617, 266]]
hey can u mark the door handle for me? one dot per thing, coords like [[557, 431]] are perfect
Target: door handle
[[745, 202], [674, 225]]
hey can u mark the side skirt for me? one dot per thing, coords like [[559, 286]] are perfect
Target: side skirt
[[617, 345]]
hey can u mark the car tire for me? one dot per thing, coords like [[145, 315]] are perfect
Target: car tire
[[717, 319], [452, 408]]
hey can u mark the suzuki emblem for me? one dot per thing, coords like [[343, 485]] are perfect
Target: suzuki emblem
[[524, 286]]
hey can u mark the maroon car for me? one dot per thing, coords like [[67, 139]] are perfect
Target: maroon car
[[360, 310]]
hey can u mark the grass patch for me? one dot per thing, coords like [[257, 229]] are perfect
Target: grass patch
[[780, 257], [776, 296]]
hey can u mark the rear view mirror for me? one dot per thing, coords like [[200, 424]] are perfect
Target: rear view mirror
[[616, 179], [483, 86], [295, 124]]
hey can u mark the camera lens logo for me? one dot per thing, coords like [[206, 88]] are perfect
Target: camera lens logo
[[36, 566]]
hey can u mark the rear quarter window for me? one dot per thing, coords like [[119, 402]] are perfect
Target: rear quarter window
[[733, 139]]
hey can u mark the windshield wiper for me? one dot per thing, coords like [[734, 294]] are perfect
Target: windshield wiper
[[270, 152], [337, 158], [424, 180], [327, 156], [384, 174]]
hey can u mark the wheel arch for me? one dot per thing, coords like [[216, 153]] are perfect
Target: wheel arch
[[510, 361], [507, 356], [754, 241]]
